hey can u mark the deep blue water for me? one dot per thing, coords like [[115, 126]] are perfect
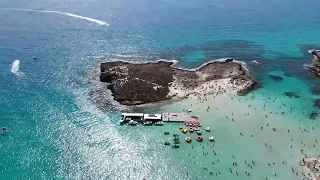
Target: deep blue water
[[47, 112]]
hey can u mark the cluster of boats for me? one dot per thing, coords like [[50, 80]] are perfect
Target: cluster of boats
[[194, 129], [197, 131], [199, 139], [176, 140]]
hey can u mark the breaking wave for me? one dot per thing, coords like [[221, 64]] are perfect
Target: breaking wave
[[97, 21], [15, 68]]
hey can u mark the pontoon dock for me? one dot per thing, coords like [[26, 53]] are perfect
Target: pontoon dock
[[165, 117], [177, 117]]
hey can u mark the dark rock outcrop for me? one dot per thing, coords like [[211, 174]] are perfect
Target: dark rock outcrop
[[315, 90], [291, 94], [313, 115], [314, 67], [316, 103], [276, 78], [133, 84]]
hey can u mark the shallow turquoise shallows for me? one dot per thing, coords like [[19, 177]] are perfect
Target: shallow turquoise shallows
[[47, 48]]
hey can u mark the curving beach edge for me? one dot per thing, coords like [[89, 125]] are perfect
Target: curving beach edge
[[136, 84]]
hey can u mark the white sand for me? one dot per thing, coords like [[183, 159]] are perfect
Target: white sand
[[178, 90]]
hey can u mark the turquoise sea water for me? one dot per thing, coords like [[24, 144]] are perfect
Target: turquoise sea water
[[56, 132]]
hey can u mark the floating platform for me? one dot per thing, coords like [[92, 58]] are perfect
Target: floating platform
[[177, 117]]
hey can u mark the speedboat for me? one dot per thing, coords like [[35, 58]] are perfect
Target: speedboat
[[207, 129], [159, 123], [199, 139], [191, 130], [188, 139], [133, 123], [211, 138], [199, 132]]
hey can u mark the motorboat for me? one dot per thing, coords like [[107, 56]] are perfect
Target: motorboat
[[133, 123], [190, 110], [159, 123], [188, 139], [199, 132], [147, 123], [211, 138], [191, 130], [207, 129], [199, 139]]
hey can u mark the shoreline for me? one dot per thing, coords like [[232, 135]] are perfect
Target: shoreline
[[310, 161]]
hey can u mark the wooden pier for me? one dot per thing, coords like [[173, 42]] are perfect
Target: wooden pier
[[177, 117]]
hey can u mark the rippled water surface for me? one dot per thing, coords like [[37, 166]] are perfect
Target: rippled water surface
[[57, 132]]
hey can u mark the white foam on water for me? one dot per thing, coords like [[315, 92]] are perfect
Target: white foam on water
[[255, 62], [15, 68], [97, 21], [104, 149]]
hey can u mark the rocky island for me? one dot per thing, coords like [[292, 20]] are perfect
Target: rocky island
[[134, 84], [314, 67]]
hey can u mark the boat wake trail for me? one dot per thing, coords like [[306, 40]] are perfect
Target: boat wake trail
[[100, 22], [15, 68]]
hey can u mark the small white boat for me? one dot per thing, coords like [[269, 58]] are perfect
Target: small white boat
[[199, 132], [159, 123], [122, 121], [190, 110], [207, 129], [132, 122], [197, 129], [211, 138], [147, 123]]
